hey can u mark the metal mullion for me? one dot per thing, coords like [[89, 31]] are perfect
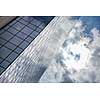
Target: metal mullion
[[9, 42]]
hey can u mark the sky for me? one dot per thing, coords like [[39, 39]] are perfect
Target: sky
[[79, 55]]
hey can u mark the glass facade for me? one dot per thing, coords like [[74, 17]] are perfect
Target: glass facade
[[17, 35]]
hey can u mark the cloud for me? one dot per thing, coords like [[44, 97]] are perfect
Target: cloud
[[96, 37], [79, 24], [87, 71], [78, 59], [92, 74], [95, 31]]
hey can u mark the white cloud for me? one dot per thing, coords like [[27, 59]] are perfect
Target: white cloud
[[84, 69], [95, 31], [78, 24], [96, 37]]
